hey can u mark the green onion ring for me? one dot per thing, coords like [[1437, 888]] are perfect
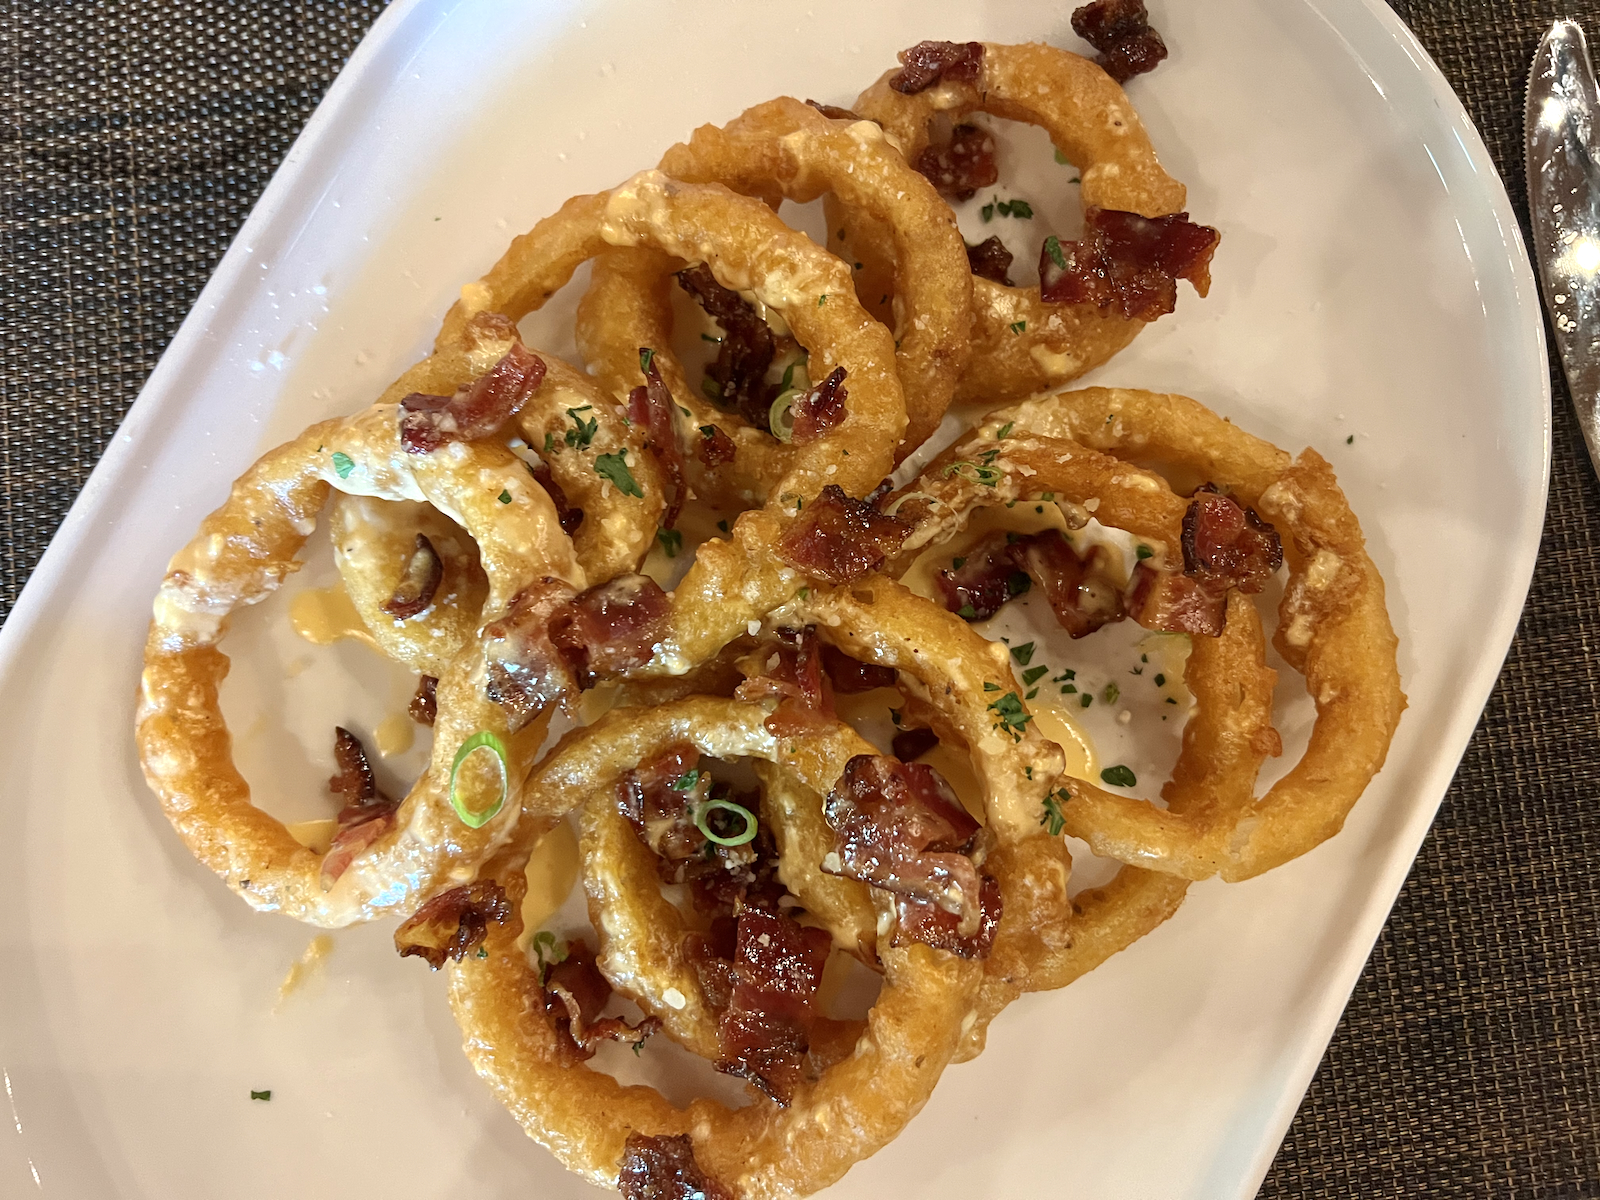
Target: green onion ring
[[747, 834], [780, 417], [481, 740]]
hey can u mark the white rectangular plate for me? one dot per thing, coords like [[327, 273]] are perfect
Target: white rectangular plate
[[1371, 284]]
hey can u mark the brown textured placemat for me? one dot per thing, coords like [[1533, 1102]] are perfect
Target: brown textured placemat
[[137, 133]]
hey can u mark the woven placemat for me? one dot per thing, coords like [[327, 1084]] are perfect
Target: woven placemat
[[139, 132]]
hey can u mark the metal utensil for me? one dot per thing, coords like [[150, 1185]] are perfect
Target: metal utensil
[[1564, 201]]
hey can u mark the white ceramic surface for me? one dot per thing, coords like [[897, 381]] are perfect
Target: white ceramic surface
[[1371, 283]]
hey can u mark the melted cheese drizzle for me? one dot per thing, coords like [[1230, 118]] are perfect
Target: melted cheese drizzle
[[395, 734], [310, 962], [314, 835], [552, 870], [324, 616]]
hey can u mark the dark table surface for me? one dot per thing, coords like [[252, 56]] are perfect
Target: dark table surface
[[137, 135]]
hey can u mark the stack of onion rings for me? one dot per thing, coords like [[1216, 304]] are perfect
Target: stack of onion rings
[[463, 551]]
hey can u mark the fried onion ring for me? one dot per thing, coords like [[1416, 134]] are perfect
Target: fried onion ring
[[1093, 126], [786, 149], [1333, 627], [748, 249], [242, 553], [760, 1150]]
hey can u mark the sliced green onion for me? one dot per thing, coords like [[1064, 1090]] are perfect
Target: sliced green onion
[[891, 509], [482, 740], [780, 418], [747, 834]]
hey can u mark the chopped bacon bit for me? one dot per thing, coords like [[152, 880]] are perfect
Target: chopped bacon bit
[[424, 706], [1120, 30], [477, 410], [821, 408], [928, 923], [659, 812], [418, 583], [839, 538], [452, 923], [1128, 263], [611, 628], [651, 406], [664, 1168], [367, 813], [1224, 546], [927, 63], [911, 744], [715, 446], [1003, 565], [900, 828], [793, 673], [990, 259], [1226, 542], [527, 671], [746, 351], [959, 167], [1173, 603], [575, 993], [569, 517], [851, 677], [710, 954], [766, 1029], [1080, 590], [833, 112]]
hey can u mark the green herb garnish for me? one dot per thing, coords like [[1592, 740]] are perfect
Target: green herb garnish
[[746, 834], [1018, 326], [1118, 776], [671, 541], [1012, 718], [482, 740], [1023, 654], [343, 464], [1033, 674], [1111, 693], [1054, 820], [1052, 247], [685, 782], [615, 468], [504, 497], [266, 1095], [584, 431]]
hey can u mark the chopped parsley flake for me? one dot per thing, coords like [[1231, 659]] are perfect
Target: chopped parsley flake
[[1004, 431], [1161, 680], [1053, 820], [1085, 700], [1032, 692], [584, 431], [646, 356], [1111, 693], [957, 563], [343, 464], [722, 525], [615, 468], [1118, 776], [1068, 689], [1023, 654], [505, 496], [1018, 583], [1052, 247], [1069, 673], [1144, 552], [671, 541], [266, 1095], [1033, 674], [1018, 326], [710, 389], [1012, 719], [684, 782], [482, 953], [1351, 440], [987, 212], [822, 299], [1062, 158], [967, 613], [549, 443], [991, 687]]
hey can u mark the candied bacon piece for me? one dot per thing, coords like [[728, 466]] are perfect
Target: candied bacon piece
[[838, 538], [424, 706], [990, 259], [575, 993], [658, 811], [1079, 590], [715, 446], [710, 954], [746, 350], [899, 827], [452, 923], [1172, 603], [1120, 30], [418, 582], [367, 813], [476, 410], [820, 409], [1128, 263], [527, 670], [851, 677], [570, 518], [928, 63], [920, 921], [959, 167], [911, 744], [833, 112], [793, 672], [611, 628], [651, 407], [664, 1168], [980, 586], [766, 1029], [1225, 541]]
